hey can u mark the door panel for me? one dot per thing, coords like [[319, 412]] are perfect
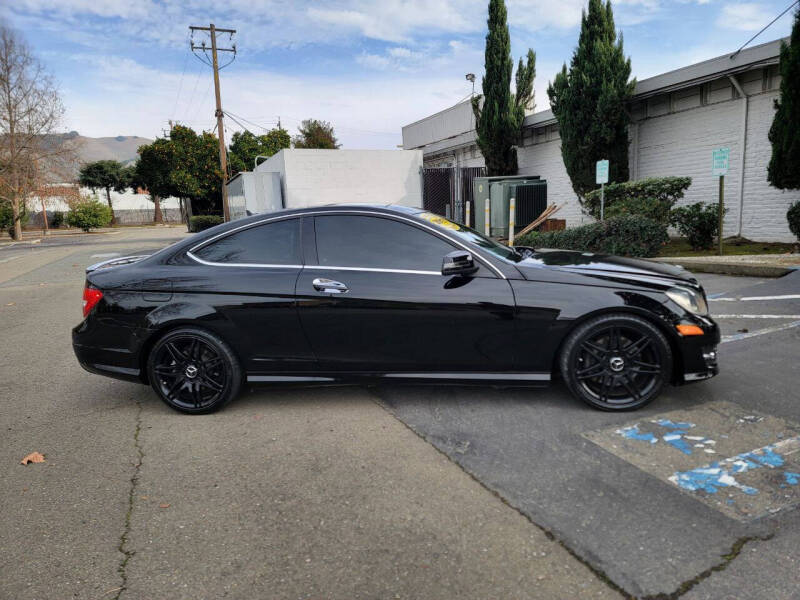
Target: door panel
[[408, 322], [249, 278], [385, 307]]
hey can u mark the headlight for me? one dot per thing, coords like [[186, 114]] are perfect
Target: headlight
[[689, 300]]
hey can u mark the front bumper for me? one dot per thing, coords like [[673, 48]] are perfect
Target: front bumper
[[697, 358]]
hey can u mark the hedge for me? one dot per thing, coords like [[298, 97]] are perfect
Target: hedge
[[201, 222], [7, 217], [625, 235], [89, 214], [652, 198], [698, 223]]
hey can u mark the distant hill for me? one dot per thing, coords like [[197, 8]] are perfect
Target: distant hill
[[122, 148]]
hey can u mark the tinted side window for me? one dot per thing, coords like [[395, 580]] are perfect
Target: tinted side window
[[275, 243], [373, 242]]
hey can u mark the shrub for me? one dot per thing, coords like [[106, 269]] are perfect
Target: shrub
[[7, 217], [56, 219], [698, 223], [793, 216], [89, 214], [625, 235], [652, 198], [201, 222]]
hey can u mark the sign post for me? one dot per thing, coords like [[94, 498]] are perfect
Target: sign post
[[719, 168], [486, 209], [467, 213], [512, 211], [601, 177]]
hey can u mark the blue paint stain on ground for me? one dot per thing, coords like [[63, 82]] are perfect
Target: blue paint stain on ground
[[633, 433], [719, 475], [674, 435]]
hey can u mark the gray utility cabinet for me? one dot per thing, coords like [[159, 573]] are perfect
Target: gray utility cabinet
[[254, 192], [529, 192]]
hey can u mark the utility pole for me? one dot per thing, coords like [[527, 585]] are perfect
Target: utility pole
[[223, 160]]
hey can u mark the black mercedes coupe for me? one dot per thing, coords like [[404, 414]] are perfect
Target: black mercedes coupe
[[374, 293]]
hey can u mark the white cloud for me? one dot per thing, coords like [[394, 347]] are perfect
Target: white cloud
[[745, 16], [366, 113]]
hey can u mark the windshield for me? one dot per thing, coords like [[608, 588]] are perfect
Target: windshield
[[470, 236]]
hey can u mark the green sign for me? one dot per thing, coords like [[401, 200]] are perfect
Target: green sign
[[601, 174], [719, 161]]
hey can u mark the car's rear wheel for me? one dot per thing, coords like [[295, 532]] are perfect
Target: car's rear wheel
[[616, 362], [194, 371]]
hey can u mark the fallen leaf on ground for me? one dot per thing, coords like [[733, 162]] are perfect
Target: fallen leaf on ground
[[10, 303], [33, 457], [164, 505]]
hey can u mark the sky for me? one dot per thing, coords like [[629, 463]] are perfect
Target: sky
[[369, 67]]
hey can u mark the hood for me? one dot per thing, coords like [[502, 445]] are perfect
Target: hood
[[588, 263]]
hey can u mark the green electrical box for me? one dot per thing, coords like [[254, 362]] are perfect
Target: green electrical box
[[496, 192]]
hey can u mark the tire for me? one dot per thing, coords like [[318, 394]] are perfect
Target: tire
[[194, 371], [616, 362]]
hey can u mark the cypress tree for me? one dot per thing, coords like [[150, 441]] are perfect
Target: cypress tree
[[783, 171], [589, 99], [498, 122]]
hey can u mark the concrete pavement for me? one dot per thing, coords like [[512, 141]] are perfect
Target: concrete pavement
[[286, 494]]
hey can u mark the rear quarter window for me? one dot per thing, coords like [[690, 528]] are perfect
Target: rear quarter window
[[276, 243]]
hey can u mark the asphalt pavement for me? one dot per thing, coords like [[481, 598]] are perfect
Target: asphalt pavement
[[393, 491]]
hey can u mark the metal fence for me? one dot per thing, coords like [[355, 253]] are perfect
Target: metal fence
[[446, 190]]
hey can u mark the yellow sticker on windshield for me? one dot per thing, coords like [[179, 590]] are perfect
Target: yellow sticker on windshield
[[439, 220]]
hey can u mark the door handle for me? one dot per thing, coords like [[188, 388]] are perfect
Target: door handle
[[329, 286]]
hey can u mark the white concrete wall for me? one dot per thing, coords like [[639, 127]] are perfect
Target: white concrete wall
[[127, 200], [764, 214], [545, 160], [320, 177], [681, 143]]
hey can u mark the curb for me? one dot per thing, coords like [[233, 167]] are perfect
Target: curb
[[731, 268]]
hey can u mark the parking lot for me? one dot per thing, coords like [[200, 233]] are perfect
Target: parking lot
[[392, 491]]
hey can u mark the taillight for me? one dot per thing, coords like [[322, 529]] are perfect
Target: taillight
[[91, 296]]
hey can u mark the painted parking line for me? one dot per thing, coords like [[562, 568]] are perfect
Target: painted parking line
[[756, 316], [743, 336], [756, 298], [743, 464]]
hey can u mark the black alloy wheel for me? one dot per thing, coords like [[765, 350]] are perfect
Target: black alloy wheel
[[616, 362], [193, 371]]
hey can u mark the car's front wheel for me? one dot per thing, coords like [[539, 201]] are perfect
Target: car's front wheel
[[194, 371], [616, 362]]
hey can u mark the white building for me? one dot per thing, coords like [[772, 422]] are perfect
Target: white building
[[315, 177], [679, 117]]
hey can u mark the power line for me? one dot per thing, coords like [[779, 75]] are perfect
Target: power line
[[180, 87], [763, 29]]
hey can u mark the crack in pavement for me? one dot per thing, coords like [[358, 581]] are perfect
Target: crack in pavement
[[683, 587], [727, 559], [127, 554]]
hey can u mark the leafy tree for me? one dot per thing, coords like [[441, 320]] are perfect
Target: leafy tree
[[106, 175], [30, 115], [316, 134], [195, 172], [589, 99], [245, 146], [498, 112], [783, 170], [152, 172]]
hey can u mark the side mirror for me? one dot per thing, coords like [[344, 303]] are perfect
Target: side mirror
[[458, 262]]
